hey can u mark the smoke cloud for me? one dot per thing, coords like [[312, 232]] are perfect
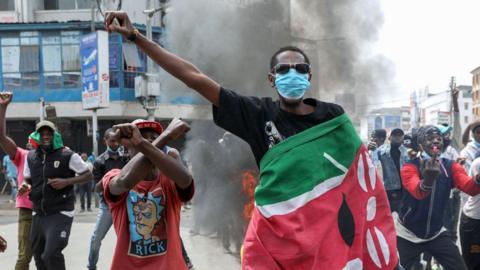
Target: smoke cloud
[[218, 161], [233, 40]]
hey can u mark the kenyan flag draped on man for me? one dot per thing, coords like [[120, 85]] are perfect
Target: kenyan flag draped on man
[[320, 205]]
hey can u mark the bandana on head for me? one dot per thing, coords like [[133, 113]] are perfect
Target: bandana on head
[[34, 139], [444, 129]]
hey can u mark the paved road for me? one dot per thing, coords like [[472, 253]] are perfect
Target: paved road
[[205, 253]]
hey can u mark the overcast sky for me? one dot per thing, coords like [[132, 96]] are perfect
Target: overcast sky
[[429, 41]]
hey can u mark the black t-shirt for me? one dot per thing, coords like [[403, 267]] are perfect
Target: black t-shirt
[[261, 122]]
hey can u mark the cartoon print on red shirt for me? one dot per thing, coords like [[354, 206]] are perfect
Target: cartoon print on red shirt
[[147, 224]]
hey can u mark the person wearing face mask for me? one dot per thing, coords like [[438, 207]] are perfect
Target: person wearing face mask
[[390, 157], [304, 148], [427, 182], [51, 171], [112, 158]]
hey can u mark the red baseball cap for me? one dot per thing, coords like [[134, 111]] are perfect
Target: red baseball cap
[[142, 124]]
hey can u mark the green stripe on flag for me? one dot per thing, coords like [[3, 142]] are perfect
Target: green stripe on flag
[[303, 161]]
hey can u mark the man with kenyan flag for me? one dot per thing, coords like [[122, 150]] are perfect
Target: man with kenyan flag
[[50, 172], [319, 203]]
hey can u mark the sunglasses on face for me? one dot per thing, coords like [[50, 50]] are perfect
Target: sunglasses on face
[[302, 68]]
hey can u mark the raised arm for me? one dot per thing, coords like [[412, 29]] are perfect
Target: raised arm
[[169, 164], [457, 129], [181, 69], [7, 144], [140, 165]]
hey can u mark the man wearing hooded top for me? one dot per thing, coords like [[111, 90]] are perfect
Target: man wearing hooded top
[[428, 181], [50, 172]]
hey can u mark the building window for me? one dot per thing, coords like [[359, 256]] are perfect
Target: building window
[[466, 119], [466, 105], [115, 59], [61, 61], [70, 59], [66, 4], [20, 61], [7, 5], [49, 60], [52, 63]]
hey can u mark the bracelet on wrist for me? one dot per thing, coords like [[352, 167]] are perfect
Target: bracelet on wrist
[[133, 36]]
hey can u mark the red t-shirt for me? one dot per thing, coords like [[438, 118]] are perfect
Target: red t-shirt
[[147, 224]]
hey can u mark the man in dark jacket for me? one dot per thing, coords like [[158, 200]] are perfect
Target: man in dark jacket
[[428, 181], [51, 171], [112, 158]]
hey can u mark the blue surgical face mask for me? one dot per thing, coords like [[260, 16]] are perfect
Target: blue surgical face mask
[[292, 85], [110, 150]]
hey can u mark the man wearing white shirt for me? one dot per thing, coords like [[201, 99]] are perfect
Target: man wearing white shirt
[[51, 171]]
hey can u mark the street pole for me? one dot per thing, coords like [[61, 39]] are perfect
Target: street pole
[[42, 109], [149, 31], [95, 132], [94, 111], [148, 100]]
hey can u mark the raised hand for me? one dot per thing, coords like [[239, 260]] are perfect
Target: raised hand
[[118, 21], [431, 171], [128, 134], [177, 128], [24, 188], [372, 146], [5, 98]]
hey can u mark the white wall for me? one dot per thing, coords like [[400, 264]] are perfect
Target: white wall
[[441, 102], [465, 113]]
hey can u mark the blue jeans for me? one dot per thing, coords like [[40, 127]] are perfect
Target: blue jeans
[[104, 222]]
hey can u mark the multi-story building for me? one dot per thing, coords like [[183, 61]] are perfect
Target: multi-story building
[[436, 108], [389, 118], [476, 92], [465, 104], [39, 60]]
